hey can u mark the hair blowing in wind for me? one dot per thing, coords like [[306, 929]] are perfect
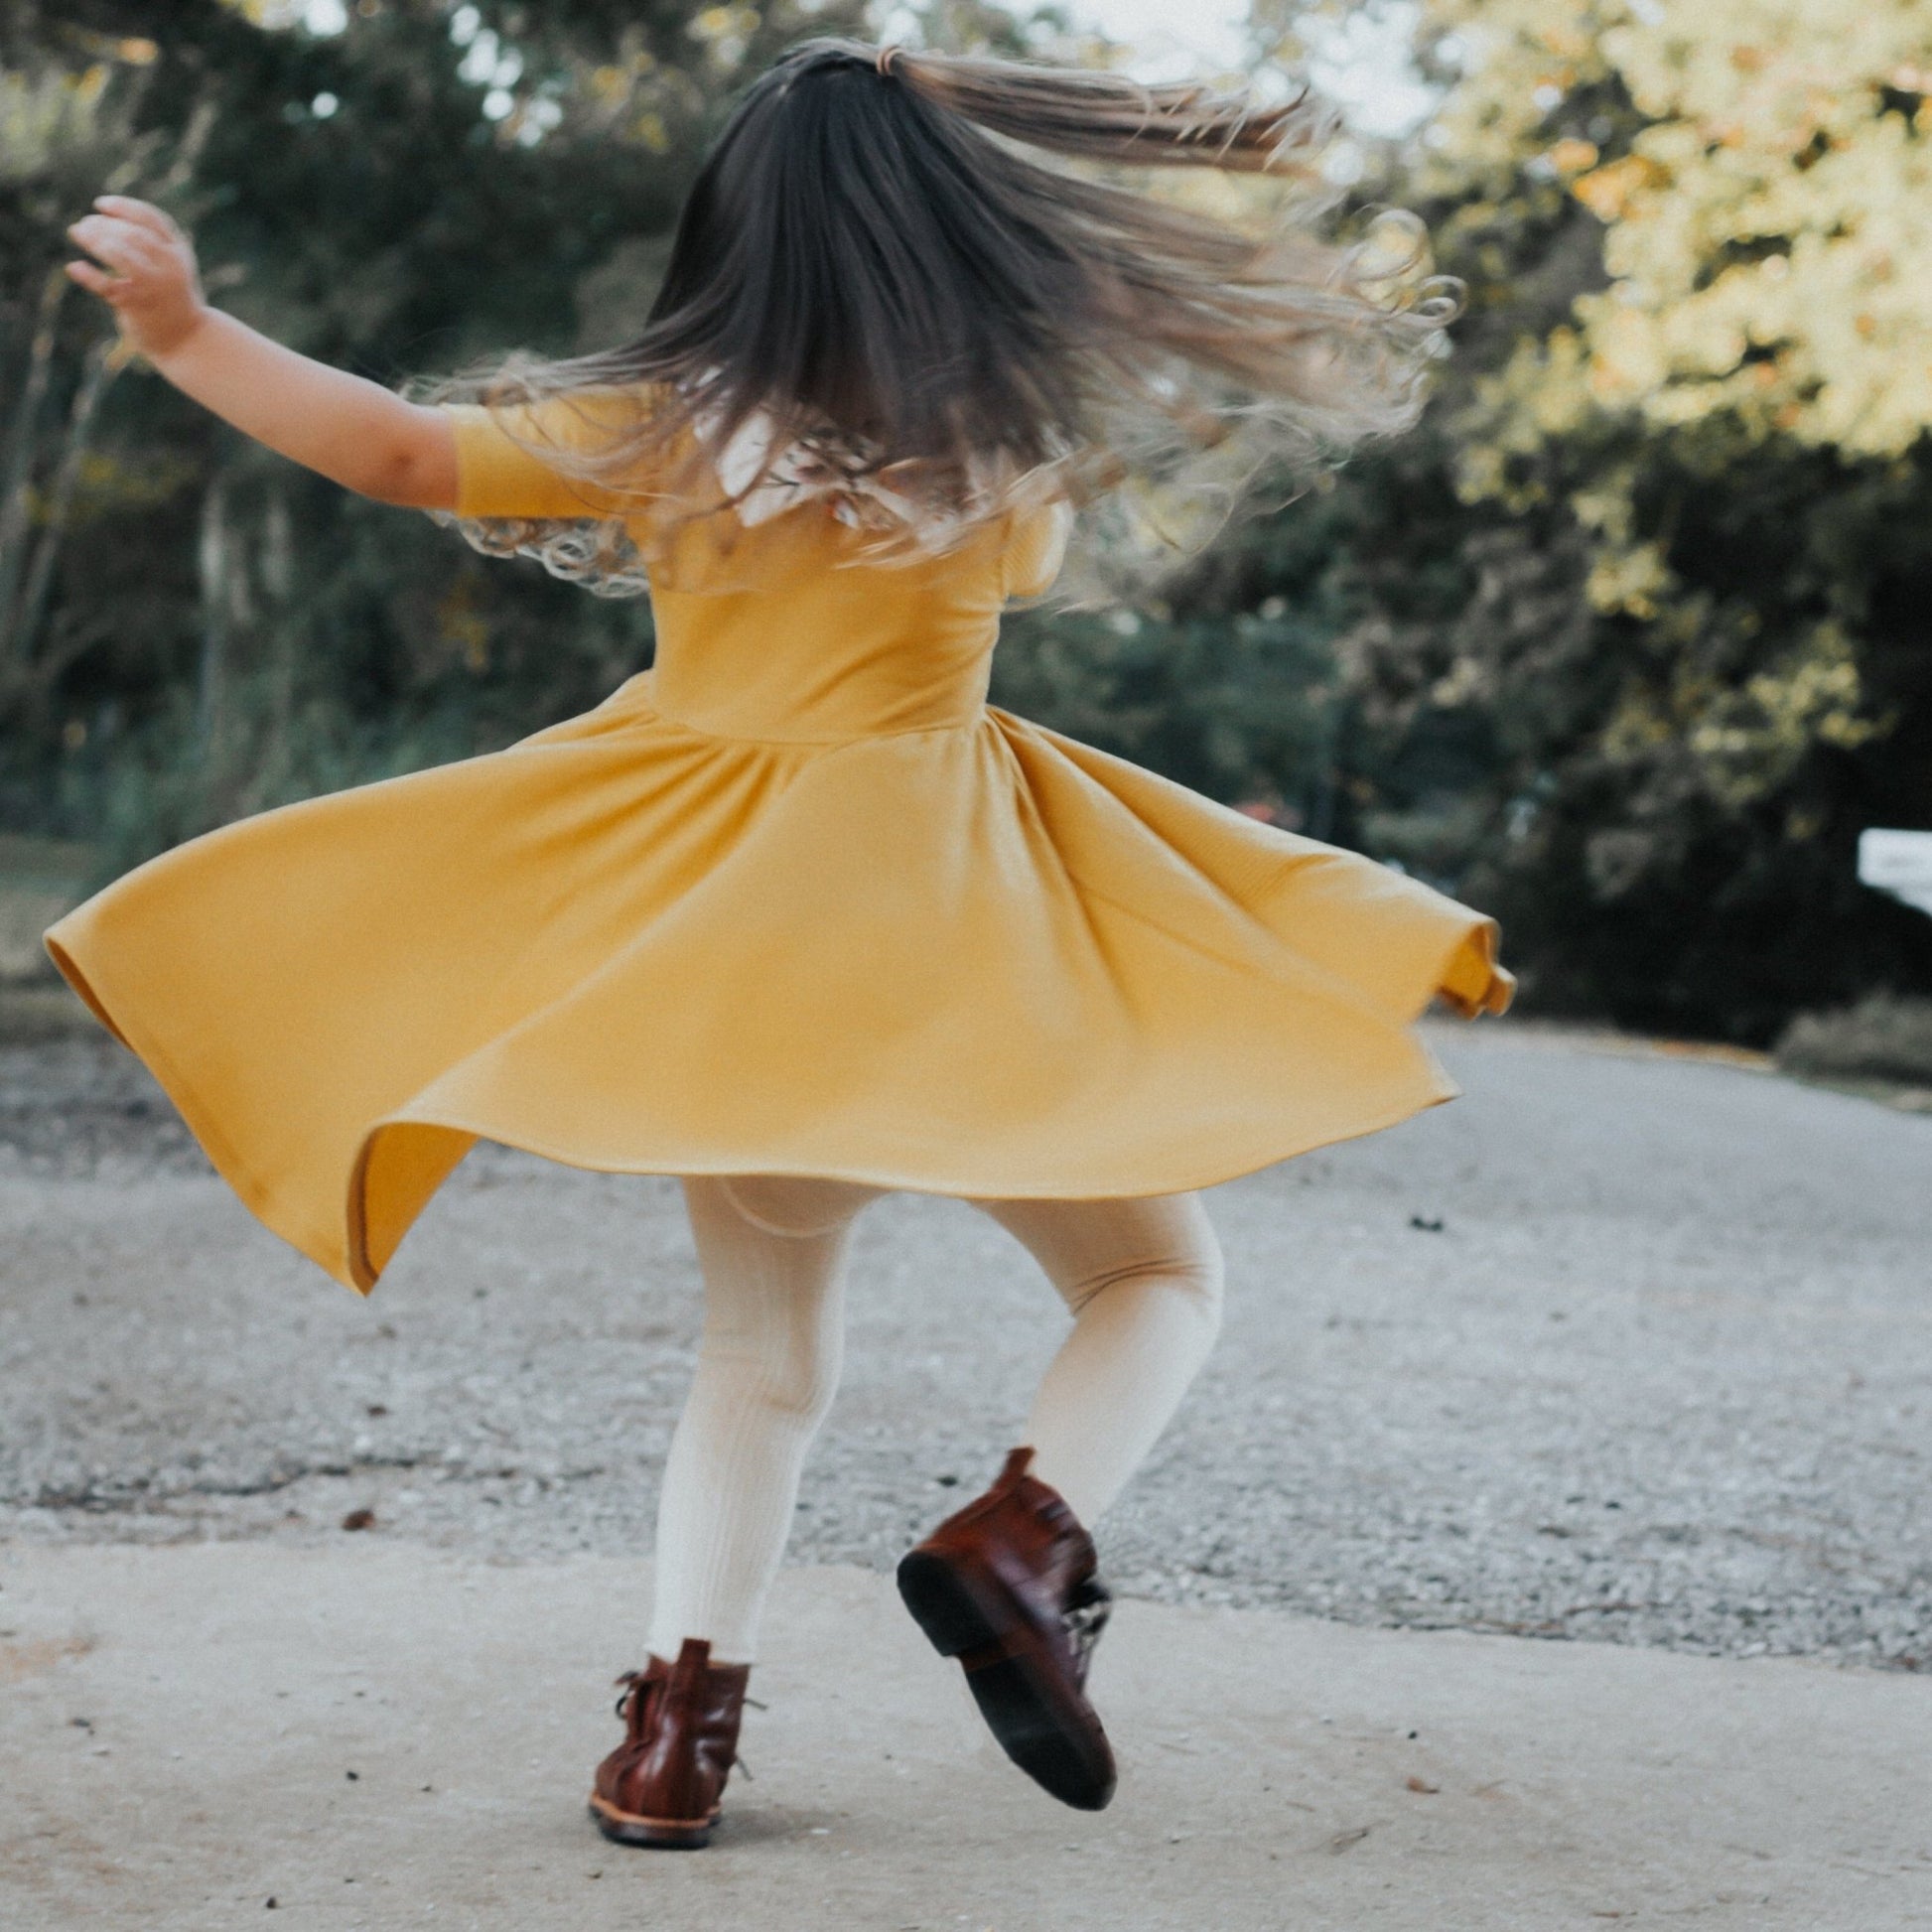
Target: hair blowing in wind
[[877, 263]]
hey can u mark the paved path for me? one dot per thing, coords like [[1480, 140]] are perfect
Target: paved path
[[1618, 1347], [381, 1735], [1660, 1375]]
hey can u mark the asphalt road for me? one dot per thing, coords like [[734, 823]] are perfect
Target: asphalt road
[[1620, 1346]]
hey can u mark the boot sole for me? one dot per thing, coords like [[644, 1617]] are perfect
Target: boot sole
[[1021, 1697], [655, 1834]]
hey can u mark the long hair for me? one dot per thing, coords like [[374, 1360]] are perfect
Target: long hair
[[872, 268]]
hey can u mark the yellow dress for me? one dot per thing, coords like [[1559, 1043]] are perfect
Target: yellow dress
[[796, 901]]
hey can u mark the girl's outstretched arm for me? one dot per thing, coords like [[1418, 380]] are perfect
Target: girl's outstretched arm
[[354, 432]]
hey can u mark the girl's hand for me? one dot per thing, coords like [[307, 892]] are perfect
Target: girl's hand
[[149, 279], [349, 430]]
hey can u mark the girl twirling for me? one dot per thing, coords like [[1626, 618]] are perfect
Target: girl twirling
[[794, 914]]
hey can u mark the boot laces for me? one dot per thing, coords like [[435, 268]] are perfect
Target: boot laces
[[636, 1685], [1085, 1616]]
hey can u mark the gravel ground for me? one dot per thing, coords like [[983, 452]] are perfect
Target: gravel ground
[[1621, 1347]]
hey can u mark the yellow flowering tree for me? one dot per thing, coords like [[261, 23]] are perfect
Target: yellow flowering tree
[[1767, 229], [1689, 441]]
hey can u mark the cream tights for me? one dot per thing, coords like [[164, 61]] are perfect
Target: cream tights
[[1142, 1278]]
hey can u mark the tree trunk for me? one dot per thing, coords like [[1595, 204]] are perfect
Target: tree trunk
[[104, 362], [14, 520]]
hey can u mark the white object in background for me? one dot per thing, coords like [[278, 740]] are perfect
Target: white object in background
[[1898, 862]]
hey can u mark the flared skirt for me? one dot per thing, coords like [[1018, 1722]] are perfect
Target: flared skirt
[[981, 960]]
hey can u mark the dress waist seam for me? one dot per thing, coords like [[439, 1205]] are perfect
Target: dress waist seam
[[657, 711]]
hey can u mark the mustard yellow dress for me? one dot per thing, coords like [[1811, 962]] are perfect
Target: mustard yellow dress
[[795, 901]]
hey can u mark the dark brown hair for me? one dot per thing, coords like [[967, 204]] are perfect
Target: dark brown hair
[[871, 263]]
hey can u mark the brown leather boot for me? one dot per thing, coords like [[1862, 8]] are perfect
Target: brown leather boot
[[1008, 1586], [661, 1786]]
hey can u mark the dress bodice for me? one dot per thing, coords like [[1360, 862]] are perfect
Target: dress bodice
[[856, 649], [793, 628]]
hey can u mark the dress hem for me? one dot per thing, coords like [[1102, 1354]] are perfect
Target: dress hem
[[260, 1199], [357, 1272], [362, 1276]]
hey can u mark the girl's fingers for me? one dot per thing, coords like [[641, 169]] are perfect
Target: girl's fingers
[[91, 231], [105, 228], [107, 249], [142, 214], [96, 280], [143, 255], [119, 244]]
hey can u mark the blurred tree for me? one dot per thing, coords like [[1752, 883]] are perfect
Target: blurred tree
[[188, 627], [1627, 642], [1227, 684], [1676, 500]]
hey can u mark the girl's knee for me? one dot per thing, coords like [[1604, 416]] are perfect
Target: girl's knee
[[794, 1206], [1178, 1248], [1086, 1247], [1199, 1267], [1192, 1272], [1196, 1280], [786, 1371], [800, 1391], [1202, 1276]]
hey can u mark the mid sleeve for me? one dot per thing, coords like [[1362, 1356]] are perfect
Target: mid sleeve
[[1036, 548], [501, 466]]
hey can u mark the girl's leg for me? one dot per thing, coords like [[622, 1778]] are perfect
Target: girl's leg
[[1143, 1278], [773, 1253], [1008, 1585]]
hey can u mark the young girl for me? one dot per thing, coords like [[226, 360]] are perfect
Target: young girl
[[796, 914]]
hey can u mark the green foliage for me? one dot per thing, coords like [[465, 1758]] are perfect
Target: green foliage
[[216, 632], [1883, 1038], [1641, 629], [1231, 687], [1626, 644]]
